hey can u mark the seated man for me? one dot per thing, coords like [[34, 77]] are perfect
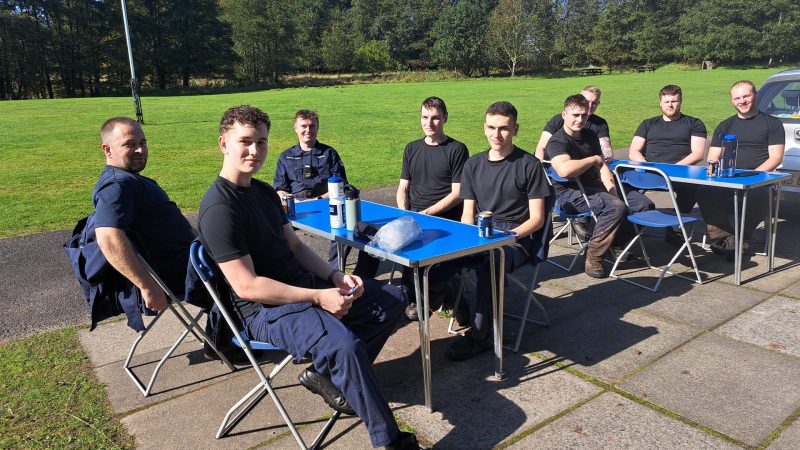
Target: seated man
[[673, 138], [592, 122], [574, 151], [286, 295], [509, 182], [430, 183], [760, 139], [134, 215], [130, 208], [303, 171]]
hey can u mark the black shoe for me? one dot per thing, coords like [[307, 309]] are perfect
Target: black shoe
[[581, 231], [324, 387], [616, 251], [595, 271], [411, 312], [236, 355], [466, 347], [726, 246], [404, 441], [673, 237]]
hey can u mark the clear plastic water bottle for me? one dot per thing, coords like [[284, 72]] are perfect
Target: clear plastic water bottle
[[727, 160]]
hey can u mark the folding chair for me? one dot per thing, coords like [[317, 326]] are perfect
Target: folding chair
[[207, 271], [568, 217], [536, 261], [651, 178], [189, 322]]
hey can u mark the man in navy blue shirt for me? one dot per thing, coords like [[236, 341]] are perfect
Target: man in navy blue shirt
[[134, 215]]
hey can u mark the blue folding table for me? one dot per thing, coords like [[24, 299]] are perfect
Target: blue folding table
[[742, 181], [441, 240]]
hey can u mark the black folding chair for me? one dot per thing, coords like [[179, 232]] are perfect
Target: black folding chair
[[210, 275]]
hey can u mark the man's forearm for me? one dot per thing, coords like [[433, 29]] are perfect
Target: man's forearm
[[449, 201], [121, 254]]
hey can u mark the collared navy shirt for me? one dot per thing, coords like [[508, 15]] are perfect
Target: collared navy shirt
[[323, 162]]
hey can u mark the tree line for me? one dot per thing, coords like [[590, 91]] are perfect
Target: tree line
[[71, 48]]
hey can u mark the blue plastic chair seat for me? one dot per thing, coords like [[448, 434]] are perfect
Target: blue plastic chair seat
[[646, 181], [255, 345], [658, 219]]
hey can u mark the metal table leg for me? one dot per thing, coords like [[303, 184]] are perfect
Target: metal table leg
[[423, 308], [498, 290]]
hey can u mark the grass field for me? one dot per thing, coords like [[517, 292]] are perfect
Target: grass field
[[50, 154]]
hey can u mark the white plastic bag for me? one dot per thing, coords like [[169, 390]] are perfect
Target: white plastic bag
[[397, 234]]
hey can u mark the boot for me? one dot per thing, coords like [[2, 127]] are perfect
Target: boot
[[598, 247]]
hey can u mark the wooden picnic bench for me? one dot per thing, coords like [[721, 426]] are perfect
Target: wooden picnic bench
[[592, 71], [642, 69]]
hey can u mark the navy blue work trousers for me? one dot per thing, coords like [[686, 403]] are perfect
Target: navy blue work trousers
[[342, 349]]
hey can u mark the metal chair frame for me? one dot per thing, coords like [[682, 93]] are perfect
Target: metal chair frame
[[529, 289], [568, 217], [208, 272], [668, 220], [190, 325]]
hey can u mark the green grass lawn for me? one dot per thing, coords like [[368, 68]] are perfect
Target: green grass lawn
[[50, 398], [50, 153]]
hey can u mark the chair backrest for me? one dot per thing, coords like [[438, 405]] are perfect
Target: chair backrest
[[553, 176], [645, 178]]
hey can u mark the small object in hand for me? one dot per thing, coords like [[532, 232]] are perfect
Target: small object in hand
[[352, 290], [485, 225]]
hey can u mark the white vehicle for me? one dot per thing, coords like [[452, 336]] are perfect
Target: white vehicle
[[780, 97]]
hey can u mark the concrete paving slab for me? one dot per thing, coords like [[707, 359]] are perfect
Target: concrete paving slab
[[614, 422], [700, 305], [789, 439], [184, 372], [792, 291], [111, 340], [773, 324], [194, 419], [735, 388], [472, 411], [754, 272], [607, 341]]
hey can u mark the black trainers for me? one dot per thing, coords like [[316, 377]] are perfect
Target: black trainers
[[466, 347], [324, 387], [725, 246], [411, 312], [437, 298], [673, 237], [404, 441]]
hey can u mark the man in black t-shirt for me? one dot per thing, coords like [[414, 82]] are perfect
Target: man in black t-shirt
[[287, 295], [510, 183], [760, 139], [574, 151], [430, 183], [593, 122], [673, 138]]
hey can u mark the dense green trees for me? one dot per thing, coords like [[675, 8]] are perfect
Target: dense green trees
[[72, 48]]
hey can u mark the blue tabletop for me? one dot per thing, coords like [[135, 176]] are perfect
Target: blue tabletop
[[742, 179], [441, 239]]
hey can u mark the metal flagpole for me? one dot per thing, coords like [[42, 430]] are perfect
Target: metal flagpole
[[134, 83]]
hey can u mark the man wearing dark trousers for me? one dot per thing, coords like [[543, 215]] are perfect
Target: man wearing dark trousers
[[574, 152], [286, 294], [509, 182], [760, 139], [430, 183]]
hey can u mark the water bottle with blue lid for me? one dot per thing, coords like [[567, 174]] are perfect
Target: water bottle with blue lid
[[727, 160]]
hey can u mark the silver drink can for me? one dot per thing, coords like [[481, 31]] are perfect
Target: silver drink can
[[485, 225], [712, 170]]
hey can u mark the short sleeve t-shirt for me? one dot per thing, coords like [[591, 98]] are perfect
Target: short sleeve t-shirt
[[669, 141], [432, 169], [754, 136], [236, 221], [585, 145], [505, 186], [137, 205], [593, 122]]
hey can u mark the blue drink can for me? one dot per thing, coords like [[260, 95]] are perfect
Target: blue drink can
[[290, 205], [485, 225]]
